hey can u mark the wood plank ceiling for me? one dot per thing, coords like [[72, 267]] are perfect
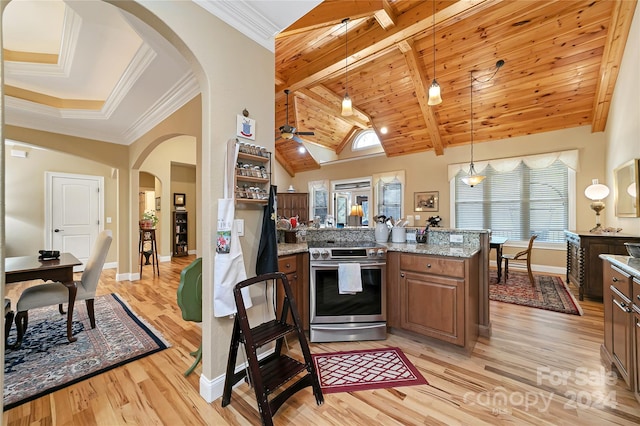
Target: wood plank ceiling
[[561, 64]]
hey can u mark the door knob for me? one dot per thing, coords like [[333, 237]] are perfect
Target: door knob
[[58, 230]]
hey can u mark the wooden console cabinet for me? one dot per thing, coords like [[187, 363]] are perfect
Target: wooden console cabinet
[[584, 267], [434, 296], [291, 204]]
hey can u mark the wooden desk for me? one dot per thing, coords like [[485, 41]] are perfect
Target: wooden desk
[[497, 243], [27, 268]]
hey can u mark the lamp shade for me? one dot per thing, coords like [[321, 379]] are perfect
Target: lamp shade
[[434, 94], [347, 108], [356, 210], [596, 191]]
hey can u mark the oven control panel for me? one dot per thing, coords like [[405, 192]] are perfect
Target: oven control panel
[[353, 253]]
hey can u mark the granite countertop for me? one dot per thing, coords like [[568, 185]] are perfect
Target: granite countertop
[[630, 265], [431, 249], [292, 248]]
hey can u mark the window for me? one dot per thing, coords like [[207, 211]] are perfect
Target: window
[[389, 193], [517, 203], [365, 139], [319, 196]]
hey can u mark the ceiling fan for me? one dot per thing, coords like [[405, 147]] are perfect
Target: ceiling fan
[[289, 132]]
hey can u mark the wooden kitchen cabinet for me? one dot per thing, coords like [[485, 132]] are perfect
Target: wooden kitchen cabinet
[[296, 268], [291, 204], [635, 284], [617, 350], [434, 296], [584, 267]]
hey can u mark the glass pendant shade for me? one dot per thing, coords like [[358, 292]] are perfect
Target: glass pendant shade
[[347, 107], [434, 94], [473, 178]]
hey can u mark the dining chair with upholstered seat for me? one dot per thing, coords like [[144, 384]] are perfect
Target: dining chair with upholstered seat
[[8, 320], [190, 301], [523, 256], [55, 293]]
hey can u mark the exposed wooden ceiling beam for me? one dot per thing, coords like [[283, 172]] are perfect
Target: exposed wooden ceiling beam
[[332, 12], [422, 94], [609, 66], [385, 17], [377, 40], [333, 105], [343, 144]]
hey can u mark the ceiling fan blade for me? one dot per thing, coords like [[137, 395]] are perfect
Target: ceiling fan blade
[[305, 133], [297, 139]]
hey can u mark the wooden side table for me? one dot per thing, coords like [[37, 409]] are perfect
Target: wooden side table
[[148, 238]]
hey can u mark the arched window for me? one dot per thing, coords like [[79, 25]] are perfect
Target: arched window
[[365, 139]]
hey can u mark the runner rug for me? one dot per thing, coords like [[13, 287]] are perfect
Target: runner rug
[[365, 369], [550, 292], [47, 362]]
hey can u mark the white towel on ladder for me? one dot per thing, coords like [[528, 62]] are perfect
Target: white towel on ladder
[[349, 278]]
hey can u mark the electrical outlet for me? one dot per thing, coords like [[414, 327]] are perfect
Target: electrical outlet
[[240, 227], [417, 220], [455, 238]]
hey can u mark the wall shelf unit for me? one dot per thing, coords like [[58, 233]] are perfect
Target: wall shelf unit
[[252, 173]]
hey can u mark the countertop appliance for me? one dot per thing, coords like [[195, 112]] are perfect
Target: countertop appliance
[[347, 317]]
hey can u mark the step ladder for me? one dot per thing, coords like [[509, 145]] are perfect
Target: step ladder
[[273, 371]]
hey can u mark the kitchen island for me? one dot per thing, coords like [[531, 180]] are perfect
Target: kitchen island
[[438, 290]]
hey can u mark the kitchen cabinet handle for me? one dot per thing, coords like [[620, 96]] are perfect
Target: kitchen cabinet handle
[[622, 306], [287, 265], [428, 265], [614, 279], [402, 275]]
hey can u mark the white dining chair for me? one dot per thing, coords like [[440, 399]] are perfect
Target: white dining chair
[[55, 293]]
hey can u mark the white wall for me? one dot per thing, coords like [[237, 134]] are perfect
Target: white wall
[[623, 125]]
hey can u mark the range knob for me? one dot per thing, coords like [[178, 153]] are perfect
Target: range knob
[[372, 253], [324, 254], [315, 254], [380, 252]]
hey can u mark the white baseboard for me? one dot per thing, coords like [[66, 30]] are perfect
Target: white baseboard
[[212, 389]]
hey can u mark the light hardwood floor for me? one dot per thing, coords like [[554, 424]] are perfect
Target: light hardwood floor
[[538, 367]]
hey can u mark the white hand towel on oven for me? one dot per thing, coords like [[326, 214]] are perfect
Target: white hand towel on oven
[[349, 278]]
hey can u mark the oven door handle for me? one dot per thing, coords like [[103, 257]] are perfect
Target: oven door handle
[[338, 327], [335, 265]]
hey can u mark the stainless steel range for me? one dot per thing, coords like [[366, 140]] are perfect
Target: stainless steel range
[[359, 315]]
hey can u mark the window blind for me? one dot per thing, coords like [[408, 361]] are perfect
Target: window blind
[[517, 203]]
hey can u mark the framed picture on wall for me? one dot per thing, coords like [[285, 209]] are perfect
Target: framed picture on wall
[[179, 200], [426, 201]]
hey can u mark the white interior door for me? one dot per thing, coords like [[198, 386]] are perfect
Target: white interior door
[[75, 207]]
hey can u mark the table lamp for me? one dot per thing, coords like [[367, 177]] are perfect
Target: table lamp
[[596, 192], [355, 217]]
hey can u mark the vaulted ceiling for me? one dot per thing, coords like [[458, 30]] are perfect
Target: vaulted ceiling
[[561, 61]]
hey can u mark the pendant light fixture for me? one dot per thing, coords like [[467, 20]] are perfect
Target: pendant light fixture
[[473, 178], [347, 108], [434, 89]]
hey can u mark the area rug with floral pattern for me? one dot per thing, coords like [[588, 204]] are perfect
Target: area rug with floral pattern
[[365, 369], [549, 292], [46, 361]]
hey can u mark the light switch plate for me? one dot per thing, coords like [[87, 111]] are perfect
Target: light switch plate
[[455, 238], [240, 227]]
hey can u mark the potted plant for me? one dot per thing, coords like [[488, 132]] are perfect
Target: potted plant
[[149, 220]]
